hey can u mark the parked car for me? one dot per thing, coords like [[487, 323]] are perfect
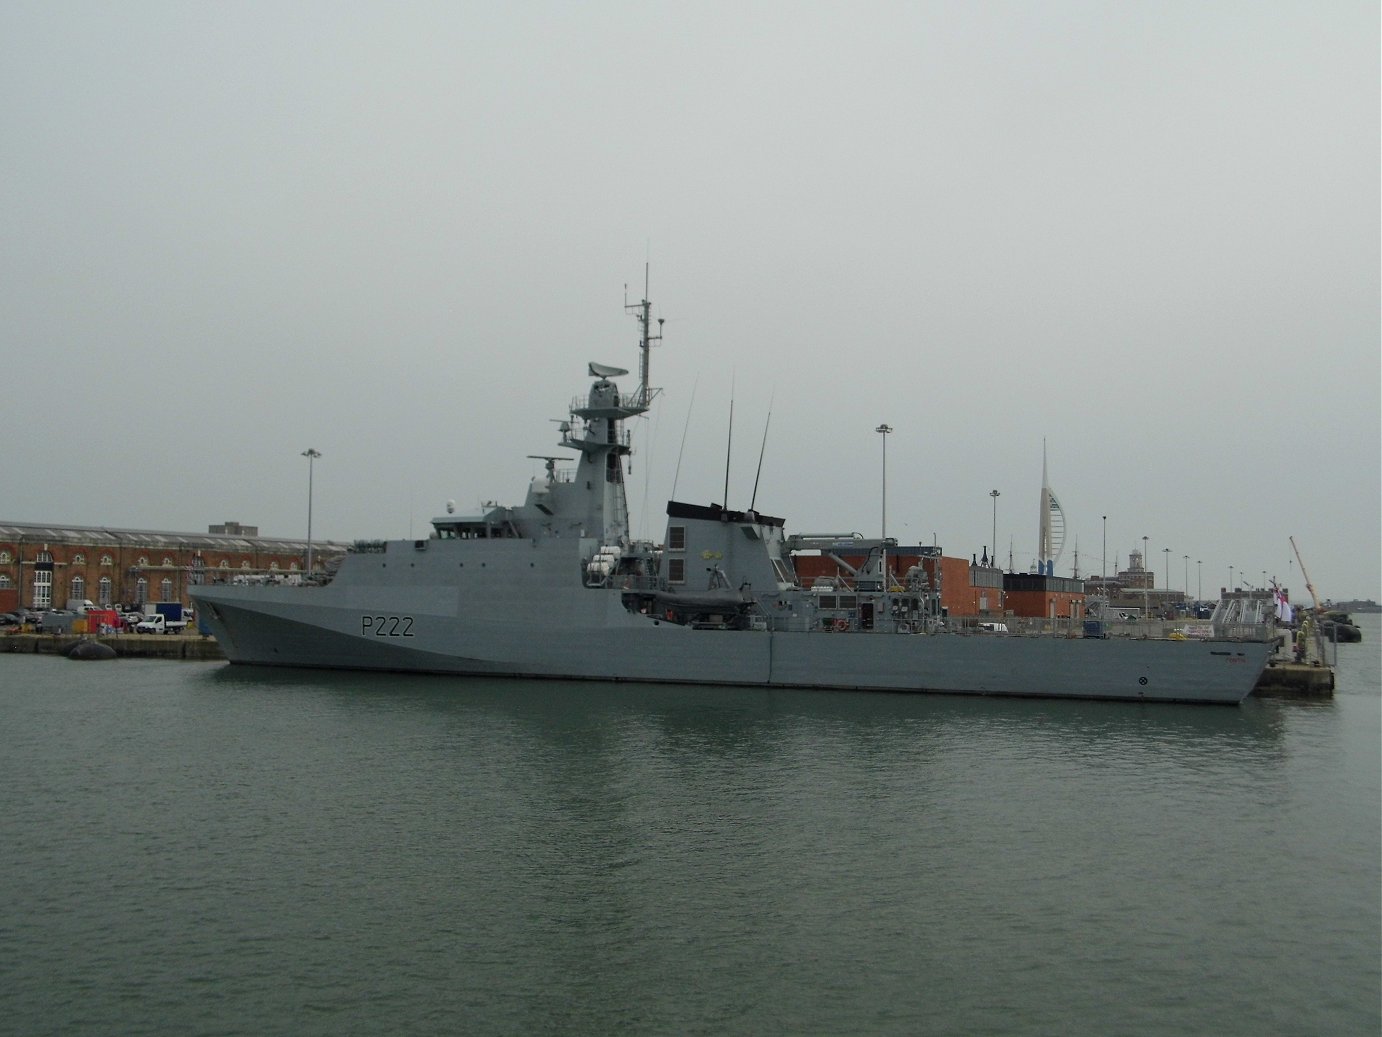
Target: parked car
[[8, 619]]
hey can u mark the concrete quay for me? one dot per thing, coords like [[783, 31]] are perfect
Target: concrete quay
[[130, 646], [1289, 680]]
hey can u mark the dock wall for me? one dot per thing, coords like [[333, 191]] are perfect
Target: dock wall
[[130, 646]]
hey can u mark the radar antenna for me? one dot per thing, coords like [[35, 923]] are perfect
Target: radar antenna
[[551, 463]]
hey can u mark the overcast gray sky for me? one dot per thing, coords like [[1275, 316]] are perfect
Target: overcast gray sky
[[396, 233]]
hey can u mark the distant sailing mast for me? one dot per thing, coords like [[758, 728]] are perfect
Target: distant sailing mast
[[1051, 535]]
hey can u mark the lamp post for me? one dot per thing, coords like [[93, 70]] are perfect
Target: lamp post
[[1230, 579], [1147, 581], [1187, 574], [994, 542], [1103, 563], [884, 430], [1199, 579], [1167, 592], [311, 456]]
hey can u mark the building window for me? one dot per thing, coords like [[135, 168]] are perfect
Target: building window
[[104, 597], [4, 582], [167, 562], [676, 538], [294, 567], [143, 560], [78, 588], [273, 567], [244, 565], [79, 559], [224, 564], [43, 589], [5, 558], [165, 590], [198, 573], [676, 570], [107, 560], [141, 591]]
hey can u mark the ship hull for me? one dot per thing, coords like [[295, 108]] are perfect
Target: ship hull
[[334, 628]]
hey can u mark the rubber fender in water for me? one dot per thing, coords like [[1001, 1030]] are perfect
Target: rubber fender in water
[[87, 650]]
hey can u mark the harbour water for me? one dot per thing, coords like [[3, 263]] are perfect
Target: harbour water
[[193, 848]]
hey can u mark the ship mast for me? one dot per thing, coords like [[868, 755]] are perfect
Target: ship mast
[[642, 310]]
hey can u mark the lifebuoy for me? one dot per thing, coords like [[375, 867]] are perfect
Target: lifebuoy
[[840, 624]]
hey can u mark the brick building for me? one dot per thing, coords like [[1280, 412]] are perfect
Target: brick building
[[966, 589], [43, 566], [1043, 597]]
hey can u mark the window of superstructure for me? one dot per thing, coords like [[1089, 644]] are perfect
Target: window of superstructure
[[676, 570], [676, 538]]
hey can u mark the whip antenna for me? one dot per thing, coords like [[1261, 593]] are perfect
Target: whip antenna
[[761, 450]]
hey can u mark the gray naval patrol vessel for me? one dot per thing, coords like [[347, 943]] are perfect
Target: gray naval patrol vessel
[[558, 588]]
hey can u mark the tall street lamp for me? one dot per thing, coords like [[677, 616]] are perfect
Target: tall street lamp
[[1147, 581], [994, 542], [1199, 579], [311, 456], [884, 430], [1167, 552], [1103, 566], [1187, 575]]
